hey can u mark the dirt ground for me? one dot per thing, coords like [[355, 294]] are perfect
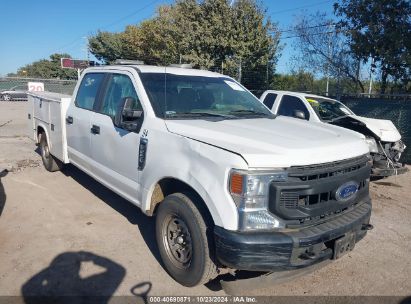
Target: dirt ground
[[64, 233]]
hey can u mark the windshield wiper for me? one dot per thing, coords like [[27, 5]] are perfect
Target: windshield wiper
[[250, 112], [337, 118], [199, 114]]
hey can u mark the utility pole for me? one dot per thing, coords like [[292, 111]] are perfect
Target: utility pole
[[239, 72], [340, 59], [370, 87], [328, 60]]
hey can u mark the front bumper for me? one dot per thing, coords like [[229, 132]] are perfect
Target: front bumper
[[293, 249], [385, 172]]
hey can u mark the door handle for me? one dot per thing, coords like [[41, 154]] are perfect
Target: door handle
[[95, 129], [69, 120]]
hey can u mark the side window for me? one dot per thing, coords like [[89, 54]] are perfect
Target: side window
[[289, 104], [269, 100], [119, 87], [87, 93]]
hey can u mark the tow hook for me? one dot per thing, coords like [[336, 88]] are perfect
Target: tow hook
[[308, 256], [367, 227]]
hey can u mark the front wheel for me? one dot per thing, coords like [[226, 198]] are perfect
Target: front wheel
[[49, 161], [6, 97], [184, 241]]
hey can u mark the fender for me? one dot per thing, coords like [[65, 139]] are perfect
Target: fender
[[193, 183], [40, 124], [203, 167]]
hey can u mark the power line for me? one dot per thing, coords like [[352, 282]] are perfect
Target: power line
[[297, 8], [109, 25], [315, 34], [306, 28], [131, 14]]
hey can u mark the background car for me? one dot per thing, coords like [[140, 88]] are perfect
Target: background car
[[383, 138], [18, 92]]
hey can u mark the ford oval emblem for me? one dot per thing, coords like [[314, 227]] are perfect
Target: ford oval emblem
[[346, 191]]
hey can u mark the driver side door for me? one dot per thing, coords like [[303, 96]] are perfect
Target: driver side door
[[114, 149]]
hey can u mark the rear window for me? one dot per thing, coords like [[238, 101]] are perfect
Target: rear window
[[269, 100], [89, 87]]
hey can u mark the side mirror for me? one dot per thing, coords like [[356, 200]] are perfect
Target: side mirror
[[299, 114], [126, 117]]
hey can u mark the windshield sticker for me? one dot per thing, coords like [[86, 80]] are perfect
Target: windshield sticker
[[312, 101], [170, 112], [234, 85]]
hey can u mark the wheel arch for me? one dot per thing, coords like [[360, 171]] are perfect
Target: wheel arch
[[40, 128], [169, 185]]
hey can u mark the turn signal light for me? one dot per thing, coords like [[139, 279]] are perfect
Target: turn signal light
[[236, 183]]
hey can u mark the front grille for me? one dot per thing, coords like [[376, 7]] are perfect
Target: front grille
[[292, 199], [310, 191], [289, 199], [321, 171]]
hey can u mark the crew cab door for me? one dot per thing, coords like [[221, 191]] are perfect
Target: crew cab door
[[289, 106], [269, 100], [115, 150], [78, 118]]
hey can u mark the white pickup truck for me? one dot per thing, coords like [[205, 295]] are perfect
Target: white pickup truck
[[231, 185], [382, 136]]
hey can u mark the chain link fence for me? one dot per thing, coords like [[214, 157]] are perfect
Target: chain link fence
[[15, 87], [394, 108]]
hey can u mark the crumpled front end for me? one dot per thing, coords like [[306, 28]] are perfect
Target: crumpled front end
[[386, 162], [384, 143]]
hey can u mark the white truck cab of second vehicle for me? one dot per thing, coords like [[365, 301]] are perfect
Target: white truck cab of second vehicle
[[382, 136]]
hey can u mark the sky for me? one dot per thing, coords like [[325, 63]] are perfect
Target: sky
[[33, 30]]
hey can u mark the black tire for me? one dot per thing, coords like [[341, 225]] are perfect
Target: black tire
[[6, 97], [51, 163], [200, 267]]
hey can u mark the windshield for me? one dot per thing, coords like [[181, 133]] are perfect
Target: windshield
[[328, 109], [194, 97]]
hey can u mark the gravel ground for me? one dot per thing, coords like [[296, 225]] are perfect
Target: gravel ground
[[65, 233]]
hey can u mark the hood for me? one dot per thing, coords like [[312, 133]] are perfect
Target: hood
[[279, 142], [384, 129]]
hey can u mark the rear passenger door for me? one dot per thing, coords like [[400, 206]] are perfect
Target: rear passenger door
[[115, 150], [78, 118], [269, 100], [290, 104]]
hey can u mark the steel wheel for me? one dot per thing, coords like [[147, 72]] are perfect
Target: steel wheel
[[49, 161], [6, 97], [177, 241], [45, 152], [184, 239]]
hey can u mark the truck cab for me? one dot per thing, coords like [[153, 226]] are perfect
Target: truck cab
[[231, 185], [383, 138]]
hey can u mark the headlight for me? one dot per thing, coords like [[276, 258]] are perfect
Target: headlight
[[372, 144], [249, 190]]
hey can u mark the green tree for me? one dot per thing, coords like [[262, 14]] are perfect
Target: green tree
[[106, 46], [238, 39], [48, 68], [381, 30]]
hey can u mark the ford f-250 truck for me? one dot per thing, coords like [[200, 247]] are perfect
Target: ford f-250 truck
[[231, 185]]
